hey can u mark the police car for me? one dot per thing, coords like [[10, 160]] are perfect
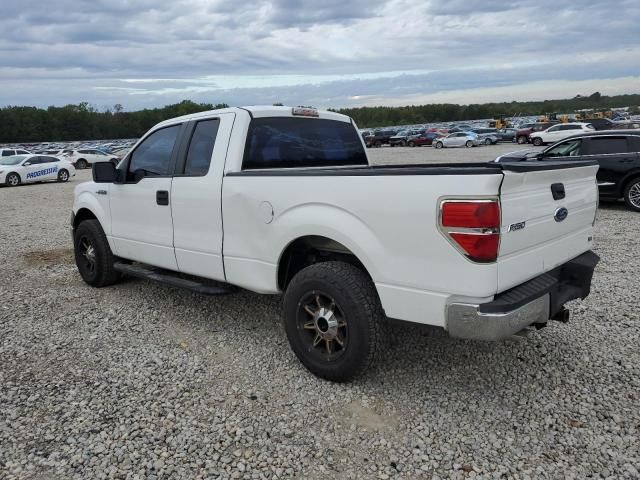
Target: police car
[[19, 169]]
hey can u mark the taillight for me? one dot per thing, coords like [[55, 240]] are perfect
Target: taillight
[[473, 226]]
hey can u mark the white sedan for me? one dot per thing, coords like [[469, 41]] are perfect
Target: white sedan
[[34, 168], [86, 157]]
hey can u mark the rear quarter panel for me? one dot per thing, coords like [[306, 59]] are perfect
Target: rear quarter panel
[[388, 222]]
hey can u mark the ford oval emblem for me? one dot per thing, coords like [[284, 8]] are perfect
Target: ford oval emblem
[[561, 214]]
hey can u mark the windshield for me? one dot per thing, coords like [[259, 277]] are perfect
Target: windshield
[[14, 160], [402, 133]]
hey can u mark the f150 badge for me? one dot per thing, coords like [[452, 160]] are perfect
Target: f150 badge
[[514, 227]]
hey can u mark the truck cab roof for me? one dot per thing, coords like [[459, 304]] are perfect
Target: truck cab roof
[[258, 111]]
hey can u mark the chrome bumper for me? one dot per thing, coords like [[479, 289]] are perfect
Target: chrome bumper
[[466, 321]]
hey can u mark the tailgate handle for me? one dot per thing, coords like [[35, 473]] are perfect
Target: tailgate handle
[[557, 190]]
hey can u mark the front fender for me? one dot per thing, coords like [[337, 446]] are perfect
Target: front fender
[[85, 199]]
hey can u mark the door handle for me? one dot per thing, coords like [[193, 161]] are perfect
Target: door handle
[[162, 197]]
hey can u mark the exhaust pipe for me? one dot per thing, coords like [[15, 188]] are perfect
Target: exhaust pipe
[[562, 315]]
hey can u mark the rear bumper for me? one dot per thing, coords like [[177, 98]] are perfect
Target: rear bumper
[[533, 302]]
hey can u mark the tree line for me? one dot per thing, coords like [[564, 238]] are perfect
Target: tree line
[[370, 117], [85, 122]]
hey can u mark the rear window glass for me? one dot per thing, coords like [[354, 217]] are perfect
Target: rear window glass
[[302, 142]]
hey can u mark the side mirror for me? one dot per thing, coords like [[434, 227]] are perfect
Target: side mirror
[[104, 172], [539, 156], [26, 164]]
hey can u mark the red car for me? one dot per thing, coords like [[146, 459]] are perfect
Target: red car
[[524, 134], [423, 139]]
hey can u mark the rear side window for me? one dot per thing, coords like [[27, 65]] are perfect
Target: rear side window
[[302, 142], [201, 147], [606, 145], [8, 153], [153, 155]]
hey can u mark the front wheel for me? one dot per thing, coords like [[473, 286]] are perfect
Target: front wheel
[[537, 141], [63, 176], [632, 195], [333, 320], [487, 141], [412, 144], [93, 255], [468, 144], [439, 145], [12, 180]]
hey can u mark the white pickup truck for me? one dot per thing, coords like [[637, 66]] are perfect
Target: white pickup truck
[[283, 200]]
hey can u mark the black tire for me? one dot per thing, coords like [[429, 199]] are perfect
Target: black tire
[[522, 140], [12, 180], [403, 143], [95, 266], [412, 144], [63, 176], [439, 145], [349, 294], [377, 143], [632, 194], [537, 141], [468, 144], [81, 164], [488, 141]]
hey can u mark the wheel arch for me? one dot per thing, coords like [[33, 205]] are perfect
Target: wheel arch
[[308, 250]]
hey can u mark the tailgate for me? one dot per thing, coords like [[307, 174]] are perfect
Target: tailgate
[[535, 236]]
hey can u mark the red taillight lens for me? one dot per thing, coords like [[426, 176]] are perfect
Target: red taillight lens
[[474, 226], [471, 214], [479, 248]]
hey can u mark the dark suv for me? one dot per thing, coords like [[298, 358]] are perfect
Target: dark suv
[[379, 138], [616, 151]]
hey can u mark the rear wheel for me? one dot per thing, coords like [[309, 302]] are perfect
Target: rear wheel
[[82, 163], [632, 195], [537, 141], [12, 180], [522, 140], [63, 176], [403, 143], [487, 141], [468, 144], [439, 145], [93, 255], [333, 320]]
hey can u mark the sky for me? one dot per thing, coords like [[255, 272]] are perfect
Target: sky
[[325, 53]]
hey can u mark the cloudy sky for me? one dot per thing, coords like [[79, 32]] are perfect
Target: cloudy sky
[[327, 53]]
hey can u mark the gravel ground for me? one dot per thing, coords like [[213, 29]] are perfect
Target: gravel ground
[[144, 381]]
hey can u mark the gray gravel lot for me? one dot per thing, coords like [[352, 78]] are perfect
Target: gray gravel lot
[[144, 381]]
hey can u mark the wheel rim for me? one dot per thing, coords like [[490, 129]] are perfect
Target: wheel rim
[[322, 326], [13, 180], [634, 195], [64, 176], [87, 254]]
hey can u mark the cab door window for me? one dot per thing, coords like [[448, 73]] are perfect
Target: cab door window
[[153, 155], [570, 148], [201, 147]]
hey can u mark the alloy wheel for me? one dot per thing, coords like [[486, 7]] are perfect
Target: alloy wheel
[[322, 326]]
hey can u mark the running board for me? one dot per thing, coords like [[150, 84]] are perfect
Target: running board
[[172, 279]]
